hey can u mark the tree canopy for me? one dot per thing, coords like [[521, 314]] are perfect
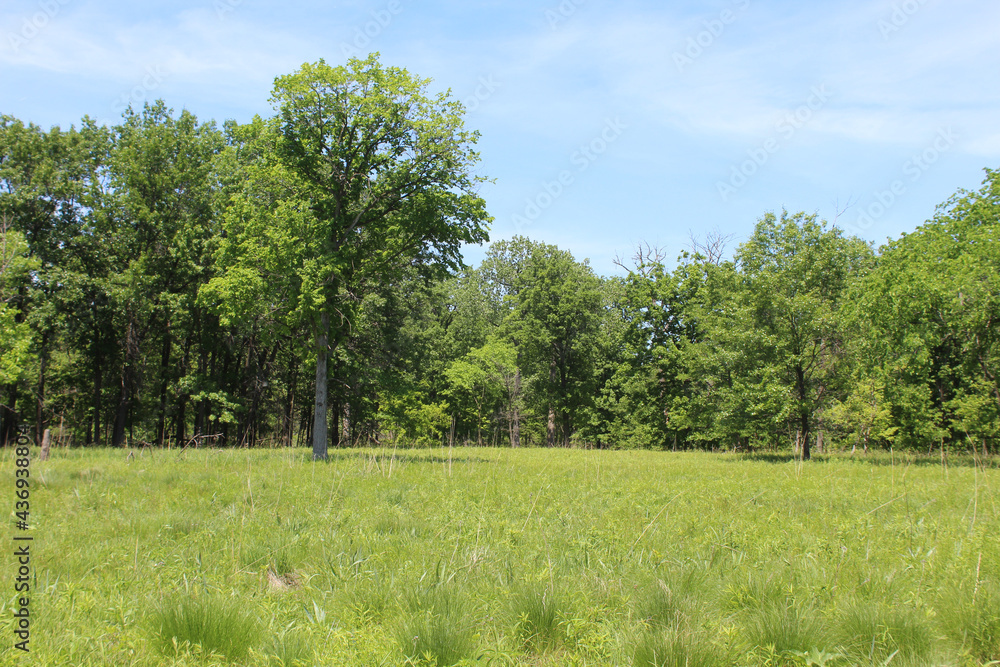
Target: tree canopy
[[359, 175], [298, 280]]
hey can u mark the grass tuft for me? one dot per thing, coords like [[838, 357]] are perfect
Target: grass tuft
[[289, 650], [539, 611], [670, 600], [438, 631], [872, 631], [674, 647], [759, 590], [786, 628], [214, 623], [973, 621], [983, 628]]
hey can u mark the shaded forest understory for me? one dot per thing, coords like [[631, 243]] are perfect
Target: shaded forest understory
[[158, 286]]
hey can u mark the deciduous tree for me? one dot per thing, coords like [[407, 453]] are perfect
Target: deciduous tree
[[383, 172]]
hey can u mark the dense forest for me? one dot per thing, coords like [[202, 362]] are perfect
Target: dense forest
[[298, 281]]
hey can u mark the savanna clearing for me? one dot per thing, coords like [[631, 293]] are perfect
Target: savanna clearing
[[482, 556]]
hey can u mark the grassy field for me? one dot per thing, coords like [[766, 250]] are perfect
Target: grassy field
[[506, 557]]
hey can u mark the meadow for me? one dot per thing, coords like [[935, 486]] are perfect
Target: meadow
[[482, 556]]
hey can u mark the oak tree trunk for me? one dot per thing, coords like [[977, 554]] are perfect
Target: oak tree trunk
[[319, 439], [161, 413]]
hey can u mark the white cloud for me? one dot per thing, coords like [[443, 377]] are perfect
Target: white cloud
[[194, 45]]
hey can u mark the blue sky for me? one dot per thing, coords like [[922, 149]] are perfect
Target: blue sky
[[603, 124]]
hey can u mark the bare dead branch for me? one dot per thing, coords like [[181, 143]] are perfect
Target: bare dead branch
[[838, 211], [646, 255], [712, 247]]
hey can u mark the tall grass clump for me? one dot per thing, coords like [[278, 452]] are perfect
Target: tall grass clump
[[539, 611], [871, 632], [676, 647], [972, 620], [785, 627], [214, 623], [289, 650], [760, 590], [669, 600], [438, 629]]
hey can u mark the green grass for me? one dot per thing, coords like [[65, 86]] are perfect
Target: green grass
[[972, 619], [677, 647], [786, 627], [873, 631], [213, 624], [507, 557], [539, 609], [675, 598], [289, 649], [436, 625]]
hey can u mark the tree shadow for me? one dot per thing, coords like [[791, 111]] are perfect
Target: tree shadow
[[879, 458], [764, 457], [400, 456]]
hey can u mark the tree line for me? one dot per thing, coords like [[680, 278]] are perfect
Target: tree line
[[297, 280]]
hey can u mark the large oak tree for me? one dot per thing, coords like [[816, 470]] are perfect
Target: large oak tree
[[382, 173]]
